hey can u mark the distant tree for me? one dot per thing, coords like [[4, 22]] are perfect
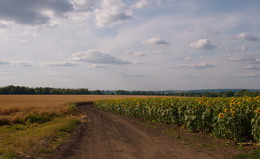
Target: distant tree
[[242, 93]]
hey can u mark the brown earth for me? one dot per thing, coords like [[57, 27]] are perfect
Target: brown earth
[[110, 136]]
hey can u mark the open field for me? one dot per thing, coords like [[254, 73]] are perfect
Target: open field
[[27, 120], [53, 100], [15, 108], [35, 125]]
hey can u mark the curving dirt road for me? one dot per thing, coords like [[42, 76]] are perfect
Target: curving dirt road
[[110, 136]]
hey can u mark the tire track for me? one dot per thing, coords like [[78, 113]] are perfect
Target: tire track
[[110, 136]]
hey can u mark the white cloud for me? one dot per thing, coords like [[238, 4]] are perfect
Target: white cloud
[[248, 59], [99, 66], [156, 41], [61, 64], [247, 36], [127, 75], [84, 5], [241, 48], [238, 58], [248, 75], [3, 25], [83, 10], [111, 13], [139, 53], [252, 67], [22, 63], [195, 66], [140, 4], [187, 58], [204, 44], [79, 17], [98, 57]]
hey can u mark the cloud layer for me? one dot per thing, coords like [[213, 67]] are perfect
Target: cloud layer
[[3, 62], [61, 64], [98, 57], [195, 66], [247, 59], [89, 42], [111, 13], [247, 36], [33, 12], [22, 63], [241, 48]]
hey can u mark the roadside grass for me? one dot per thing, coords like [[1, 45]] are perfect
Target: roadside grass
[[254, 154], [201, 141], [36, 132], [23, 140]]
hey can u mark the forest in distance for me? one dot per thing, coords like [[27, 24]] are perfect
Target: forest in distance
[[84, 91]]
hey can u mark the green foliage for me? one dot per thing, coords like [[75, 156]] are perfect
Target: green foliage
[[8, 155], [73, 109], [256, 127], [255, 154], [236, 118], [191, 93], [30, 139], [70, 125], [39, 118]]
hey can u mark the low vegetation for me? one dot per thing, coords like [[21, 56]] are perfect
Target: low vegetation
[[24, 140], [254, 154], [37, 124], [34, 130]]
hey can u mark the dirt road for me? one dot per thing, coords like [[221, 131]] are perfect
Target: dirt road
[[110, 136]]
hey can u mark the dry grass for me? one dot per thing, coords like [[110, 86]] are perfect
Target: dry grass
[[22, 141], [15, 108], [49, 100]]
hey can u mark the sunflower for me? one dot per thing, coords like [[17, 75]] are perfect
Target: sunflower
[[221, 115], [233, 113], [258, 111], [226, 110], [233, 109]]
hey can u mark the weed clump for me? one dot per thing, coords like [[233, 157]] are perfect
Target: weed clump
[[70, 125], [71, 109], [39, 118]]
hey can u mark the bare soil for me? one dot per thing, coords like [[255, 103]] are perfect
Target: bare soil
[[106, 135]]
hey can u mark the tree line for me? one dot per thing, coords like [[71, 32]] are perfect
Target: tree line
[[84, 91]]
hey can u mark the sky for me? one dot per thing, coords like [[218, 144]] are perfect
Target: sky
[[130, 44]]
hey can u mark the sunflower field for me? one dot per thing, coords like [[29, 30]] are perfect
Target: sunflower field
[[236, 118]]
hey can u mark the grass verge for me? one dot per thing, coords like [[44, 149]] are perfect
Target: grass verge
[[254, 154]]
